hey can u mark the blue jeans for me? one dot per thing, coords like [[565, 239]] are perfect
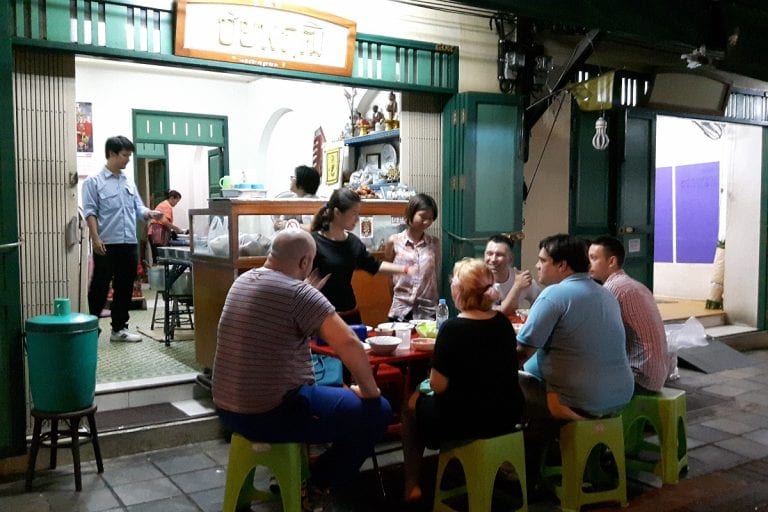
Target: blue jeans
[[321, 414]]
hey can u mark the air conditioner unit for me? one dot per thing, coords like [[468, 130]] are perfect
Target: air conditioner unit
[[685, 92]]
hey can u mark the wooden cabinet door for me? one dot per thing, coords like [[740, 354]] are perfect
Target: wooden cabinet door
[[636, 196], [482, 173]]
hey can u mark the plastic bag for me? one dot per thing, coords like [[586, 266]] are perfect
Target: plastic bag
[[217, 226], [218, 236], [328, 370], [690, 334], [253, 245]]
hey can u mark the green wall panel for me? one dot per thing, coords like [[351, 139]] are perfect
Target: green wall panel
[[150, 150], [55, 28], [179, 128]]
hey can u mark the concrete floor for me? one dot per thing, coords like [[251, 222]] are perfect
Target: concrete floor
[[727, 447], [727, 442]]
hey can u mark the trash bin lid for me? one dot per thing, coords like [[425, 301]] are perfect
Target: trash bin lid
[[62, 323]]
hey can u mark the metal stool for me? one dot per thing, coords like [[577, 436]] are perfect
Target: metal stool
[[175, 312], [72, 419]]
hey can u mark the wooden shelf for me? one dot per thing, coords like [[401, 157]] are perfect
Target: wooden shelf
[[294, 206], [373, 138]]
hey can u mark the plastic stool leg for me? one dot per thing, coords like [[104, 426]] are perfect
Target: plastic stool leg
[[673, 446], [286, 462], [443, 494], [480, 492], [288, 471]]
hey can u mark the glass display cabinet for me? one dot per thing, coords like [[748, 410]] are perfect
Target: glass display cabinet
[[233, 235]]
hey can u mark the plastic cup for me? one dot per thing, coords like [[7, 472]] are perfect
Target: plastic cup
[[405, 339], [361, 331]]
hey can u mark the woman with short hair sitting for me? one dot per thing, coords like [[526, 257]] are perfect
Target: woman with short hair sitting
[[473, 390]]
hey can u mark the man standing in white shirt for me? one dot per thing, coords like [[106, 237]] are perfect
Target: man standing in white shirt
[[112, 207], [516, 288]]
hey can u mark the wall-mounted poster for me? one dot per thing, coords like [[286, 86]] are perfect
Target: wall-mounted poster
[[332, 162], [84, 128]]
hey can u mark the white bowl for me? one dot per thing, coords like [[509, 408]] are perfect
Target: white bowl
[[394, 326], [383, 345], [423, 344]]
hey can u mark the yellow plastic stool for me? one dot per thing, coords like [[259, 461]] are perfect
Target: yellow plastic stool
[[286, 461], [577, 440], [481, 460], [666, 412]]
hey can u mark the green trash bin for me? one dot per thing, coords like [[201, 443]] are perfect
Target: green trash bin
[[61, 355]]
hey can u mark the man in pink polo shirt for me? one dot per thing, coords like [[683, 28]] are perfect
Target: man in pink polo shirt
[[646, 339]]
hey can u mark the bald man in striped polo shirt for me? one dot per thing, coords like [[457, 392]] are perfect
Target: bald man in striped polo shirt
[[263, 383]]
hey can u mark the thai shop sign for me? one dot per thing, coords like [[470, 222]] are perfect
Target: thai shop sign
[[265, 34]]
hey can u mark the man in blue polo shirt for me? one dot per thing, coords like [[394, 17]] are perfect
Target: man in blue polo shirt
[[577, 335]]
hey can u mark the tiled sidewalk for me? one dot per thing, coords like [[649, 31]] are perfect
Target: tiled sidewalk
[[728, 457]]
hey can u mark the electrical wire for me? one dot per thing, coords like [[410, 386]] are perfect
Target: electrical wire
[[546, 143]]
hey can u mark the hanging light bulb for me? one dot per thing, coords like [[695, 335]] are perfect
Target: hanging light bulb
[[600, 140]]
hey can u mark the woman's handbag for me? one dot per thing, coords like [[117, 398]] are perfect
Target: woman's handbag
[[328, 370], [159, 234]]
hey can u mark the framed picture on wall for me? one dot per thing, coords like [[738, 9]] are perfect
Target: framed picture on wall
[[84, 128], [332, 164], [373, 159]]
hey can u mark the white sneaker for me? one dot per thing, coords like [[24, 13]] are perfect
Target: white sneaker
[[125, 335]]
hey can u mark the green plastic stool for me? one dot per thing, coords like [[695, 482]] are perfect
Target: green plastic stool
[[286, 461], [481, 460], [577, 441], [666, 413]]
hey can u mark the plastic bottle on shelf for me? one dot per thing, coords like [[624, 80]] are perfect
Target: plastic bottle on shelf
[[442, 313]]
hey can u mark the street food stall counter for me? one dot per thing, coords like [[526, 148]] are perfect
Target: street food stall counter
[[233, 235]]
